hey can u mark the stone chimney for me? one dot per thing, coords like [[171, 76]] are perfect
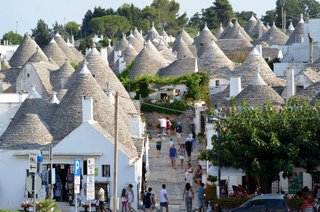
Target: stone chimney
[[104, 54], [196, 69], [259, 48], [290, 83], [87, 110], [235, 86]]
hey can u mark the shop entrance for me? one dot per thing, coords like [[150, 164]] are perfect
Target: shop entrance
[[63, 188]]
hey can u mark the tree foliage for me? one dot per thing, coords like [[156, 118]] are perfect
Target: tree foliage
[[72, 28], [12, 37], [293, 9], [41, 34], [266, 141], [110, 25], [220, 12]]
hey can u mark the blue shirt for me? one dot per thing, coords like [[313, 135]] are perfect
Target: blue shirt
[[200, 193]]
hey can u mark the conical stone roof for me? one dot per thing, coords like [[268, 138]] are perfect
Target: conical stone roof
[[214, 61], [38, 56], [129, 54], [153, 34], [165, 51], [52, 50], [273, 36], [123, 43], [147, 62], [258, 30], [297, 34], [249, 26], [138, 35], [135, 42], [234, 30], [183, 50], [247, 70], [219, 31], [257, 93], [64, 72], [204, 40], [68, 115], [66, 49], [179, 67], [185, 37], [29, 133], [33, 104], [226, 30], [107, 79], [25, 50]]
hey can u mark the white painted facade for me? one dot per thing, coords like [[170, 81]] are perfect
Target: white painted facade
[[9, 105], [29, 77], [13, 176], [85, 142], [8, 50], [217, 85]]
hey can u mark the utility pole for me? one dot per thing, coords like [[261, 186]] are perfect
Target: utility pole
[[115, 164], [51, 167]]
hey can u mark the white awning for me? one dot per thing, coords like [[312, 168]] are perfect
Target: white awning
[[213, 171]]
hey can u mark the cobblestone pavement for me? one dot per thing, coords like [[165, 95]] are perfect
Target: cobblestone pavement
[[162, 173]]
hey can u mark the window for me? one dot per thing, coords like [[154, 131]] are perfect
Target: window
[[217, 82], [28, 75], [105, 170]]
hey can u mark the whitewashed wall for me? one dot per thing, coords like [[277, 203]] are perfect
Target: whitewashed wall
[[24, 82]]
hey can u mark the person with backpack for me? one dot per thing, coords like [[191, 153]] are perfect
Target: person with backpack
[[173, 155], [149, 200]]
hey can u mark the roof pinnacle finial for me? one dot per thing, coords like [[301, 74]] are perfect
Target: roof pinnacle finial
[[301, 18]]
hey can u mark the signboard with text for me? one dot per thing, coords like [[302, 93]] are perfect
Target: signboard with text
[[77, 174], [33, 162], [90, 166], [90, 188]]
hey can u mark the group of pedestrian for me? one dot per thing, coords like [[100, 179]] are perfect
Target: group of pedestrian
[[127, 198], [165, 125]]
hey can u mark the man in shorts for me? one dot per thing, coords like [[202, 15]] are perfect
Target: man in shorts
[[163, 125], [178, 131], [164, 202]]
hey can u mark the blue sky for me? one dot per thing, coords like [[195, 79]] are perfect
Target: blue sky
[[24, 16]]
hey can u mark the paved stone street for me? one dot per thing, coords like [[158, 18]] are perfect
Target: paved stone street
[[162, 173]]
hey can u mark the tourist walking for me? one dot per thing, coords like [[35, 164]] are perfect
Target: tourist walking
[[101, 198], [163, 125], [164, 202], [158, 141], [173, 155], [171, 142], [189, 174], [168, 125], [149, 200], [182, 154], [130, 198], [124, 200], [200, 197], [198, 174], [188, 146], [188, 196], [178, 132]]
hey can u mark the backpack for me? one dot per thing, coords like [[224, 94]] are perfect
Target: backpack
[[146, 199]]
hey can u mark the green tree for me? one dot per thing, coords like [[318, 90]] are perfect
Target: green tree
[[196, 21], [224, 11], [86, 28], [266, 141], [164, 14], [12, 37], [134, 15], [72, 28], [59, 28], [41, 34], [269, 17], [244, 16], [111, 25]]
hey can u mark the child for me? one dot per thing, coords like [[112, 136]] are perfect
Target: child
[[124, 199]]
